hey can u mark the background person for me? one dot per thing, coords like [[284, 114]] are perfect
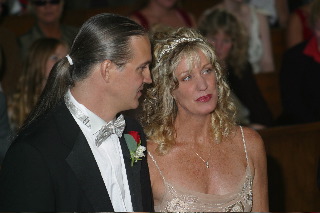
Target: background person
[[231, 46], [48, 15], [43, 54], [257, 28], [299, 77], [298, 28], [164, 13]]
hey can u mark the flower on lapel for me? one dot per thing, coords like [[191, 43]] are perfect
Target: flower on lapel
[[134, 145]]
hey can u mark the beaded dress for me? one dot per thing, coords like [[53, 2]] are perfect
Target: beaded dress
[[178, 199]]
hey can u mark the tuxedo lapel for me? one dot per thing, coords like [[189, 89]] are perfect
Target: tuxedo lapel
[[83, 164], [133, 175]]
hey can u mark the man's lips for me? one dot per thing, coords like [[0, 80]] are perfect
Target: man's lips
[[205, 98]]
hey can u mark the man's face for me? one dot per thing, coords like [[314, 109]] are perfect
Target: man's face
[[127, 82]]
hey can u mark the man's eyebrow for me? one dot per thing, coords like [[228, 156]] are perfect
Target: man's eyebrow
[[145, 63]]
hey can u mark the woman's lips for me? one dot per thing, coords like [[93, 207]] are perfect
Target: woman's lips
[[205, 98]]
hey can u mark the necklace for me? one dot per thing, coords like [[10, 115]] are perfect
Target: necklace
[[205, 162]]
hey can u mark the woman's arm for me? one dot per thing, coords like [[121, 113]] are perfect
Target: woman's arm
[[257, 155]]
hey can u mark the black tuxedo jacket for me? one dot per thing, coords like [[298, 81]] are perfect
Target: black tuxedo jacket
[[50, 167]]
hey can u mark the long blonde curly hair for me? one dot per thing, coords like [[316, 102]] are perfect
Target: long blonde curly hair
[[159, 106]]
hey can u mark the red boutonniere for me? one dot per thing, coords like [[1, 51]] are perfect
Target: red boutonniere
[[134, 145]]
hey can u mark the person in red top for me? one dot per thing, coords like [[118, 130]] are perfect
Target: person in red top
[[164, 13], [298, 28], [299, 77]]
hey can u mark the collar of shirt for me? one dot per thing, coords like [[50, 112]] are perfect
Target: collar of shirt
[[95, 121]]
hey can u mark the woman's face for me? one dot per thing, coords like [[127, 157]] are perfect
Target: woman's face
[[60, 52], [197, 91], [48, 11], [222, 43]]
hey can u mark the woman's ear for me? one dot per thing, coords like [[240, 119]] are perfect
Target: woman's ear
[[105, 70]]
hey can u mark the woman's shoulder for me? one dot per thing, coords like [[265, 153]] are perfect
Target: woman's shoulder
[[254, 146], [253, 140]]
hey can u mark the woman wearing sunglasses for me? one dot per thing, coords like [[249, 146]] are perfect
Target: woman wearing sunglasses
[[48, 15]]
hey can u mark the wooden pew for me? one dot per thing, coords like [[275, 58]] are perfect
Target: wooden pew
[[293, 155], [268, 84]]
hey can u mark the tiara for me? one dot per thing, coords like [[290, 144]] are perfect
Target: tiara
[[168, 47]]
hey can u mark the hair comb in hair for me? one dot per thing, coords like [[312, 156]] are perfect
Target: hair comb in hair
[[169, 47]]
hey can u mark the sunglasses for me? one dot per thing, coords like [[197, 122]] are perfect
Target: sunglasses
[[44, 2]]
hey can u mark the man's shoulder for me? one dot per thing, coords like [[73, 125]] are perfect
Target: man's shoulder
[[46, 129]]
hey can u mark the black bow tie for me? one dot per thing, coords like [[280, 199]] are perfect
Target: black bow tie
[[113, 127]]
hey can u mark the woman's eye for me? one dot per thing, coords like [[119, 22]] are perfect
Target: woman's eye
[[206, 71], [187, 78]]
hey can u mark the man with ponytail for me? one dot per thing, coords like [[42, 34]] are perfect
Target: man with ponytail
[[76, 151]]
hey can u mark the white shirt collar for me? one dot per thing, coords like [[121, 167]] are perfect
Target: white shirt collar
[[95, 121]]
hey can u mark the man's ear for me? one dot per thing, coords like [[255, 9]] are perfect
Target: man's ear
[[105, 70]]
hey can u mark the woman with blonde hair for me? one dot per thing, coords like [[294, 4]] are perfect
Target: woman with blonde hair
[[199, 158], [43, 54], [258, 30]]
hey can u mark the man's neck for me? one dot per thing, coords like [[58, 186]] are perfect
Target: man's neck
[[94, 102]]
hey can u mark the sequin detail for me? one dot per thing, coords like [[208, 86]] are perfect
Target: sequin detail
[[181, 200]]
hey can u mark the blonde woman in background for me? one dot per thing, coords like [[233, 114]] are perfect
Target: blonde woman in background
[[231, 45], [257, 28]]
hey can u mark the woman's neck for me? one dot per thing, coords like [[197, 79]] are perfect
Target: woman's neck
[[193, 129]]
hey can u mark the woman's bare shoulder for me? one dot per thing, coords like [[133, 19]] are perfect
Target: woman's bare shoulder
[[253, 140]]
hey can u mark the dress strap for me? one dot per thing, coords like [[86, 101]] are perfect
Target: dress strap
[[155, 163], [244, 144]]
